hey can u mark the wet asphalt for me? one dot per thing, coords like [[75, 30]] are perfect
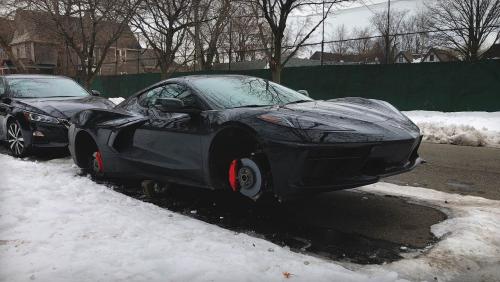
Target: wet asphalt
[[347, 225], [456, 169]]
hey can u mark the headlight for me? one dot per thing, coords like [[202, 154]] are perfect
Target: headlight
[[40, 118], [302, 122]]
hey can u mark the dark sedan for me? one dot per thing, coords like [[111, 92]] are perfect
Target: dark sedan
[[35, 109], [244, 134]]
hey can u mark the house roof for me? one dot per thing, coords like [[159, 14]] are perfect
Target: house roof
[[493, 52], [36, 26], [443, 55], [410, 57], [405, 54]]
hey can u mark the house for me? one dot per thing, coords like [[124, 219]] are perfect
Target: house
[[346, 59], [263, 64], [493, 53], [406, 57], [6, 33], [439, 56], [41, 49]]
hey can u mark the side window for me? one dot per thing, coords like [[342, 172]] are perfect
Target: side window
[[148, 99]]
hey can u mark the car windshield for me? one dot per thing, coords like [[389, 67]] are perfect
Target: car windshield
[[45, 88], [240, 91]]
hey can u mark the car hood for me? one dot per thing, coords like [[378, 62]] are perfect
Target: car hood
[[66, 107], [343, 111], [333, 121]]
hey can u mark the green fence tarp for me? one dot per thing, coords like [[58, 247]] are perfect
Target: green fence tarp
[[427, 86]]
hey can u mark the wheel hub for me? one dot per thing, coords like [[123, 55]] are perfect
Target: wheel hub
[[246, 177], [15, 139]]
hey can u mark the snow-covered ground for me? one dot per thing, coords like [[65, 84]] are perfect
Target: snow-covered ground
[[458, 128], [58, 226]]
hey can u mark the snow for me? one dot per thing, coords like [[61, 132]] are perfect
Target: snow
[[58, 226], [459, 128], [117, 100]]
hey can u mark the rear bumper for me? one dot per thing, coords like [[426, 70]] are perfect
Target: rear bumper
[[310, 168]]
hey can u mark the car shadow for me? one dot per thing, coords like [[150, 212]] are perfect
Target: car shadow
[[346, 225]]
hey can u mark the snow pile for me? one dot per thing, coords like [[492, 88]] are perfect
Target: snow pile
[[117, 100], [459, 128], [57, 226], [469, 249]]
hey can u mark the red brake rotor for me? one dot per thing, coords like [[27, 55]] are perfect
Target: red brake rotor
[[98, 158], [233, 175]]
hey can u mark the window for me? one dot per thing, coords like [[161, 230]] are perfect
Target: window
[[148, 99], [431, 58], [45, 88], [240, 91]]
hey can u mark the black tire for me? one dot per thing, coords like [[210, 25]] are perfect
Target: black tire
[[15, 140]]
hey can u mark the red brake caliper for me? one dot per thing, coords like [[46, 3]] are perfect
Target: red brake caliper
[[233, 175], [98, 158]]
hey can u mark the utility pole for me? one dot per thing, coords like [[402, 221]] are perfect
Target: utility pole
[[323, 36], [388, 38]]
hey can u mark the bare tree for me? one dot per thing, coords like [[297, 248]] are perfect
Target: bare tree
[[363, 43], [88, 27], [415, 38], [242, 36], [7, 9], [465, 25], [164, 25], [340, 45], [276, 13], [388, 26], [211, 18]]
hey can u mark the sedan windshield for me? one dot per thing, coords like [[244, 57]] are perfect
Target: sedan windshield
[[240, 91], [45, 88]]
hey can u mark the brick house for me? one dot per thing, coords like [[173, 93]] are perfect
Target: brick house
[[36, 43]]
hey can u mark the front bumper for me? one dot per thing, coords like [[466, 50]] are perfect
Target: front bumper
[[298, 168], [46, 135]]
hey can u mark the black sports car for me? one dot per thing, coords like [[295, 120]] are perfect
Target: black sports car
[[35, 109], [245, 134]]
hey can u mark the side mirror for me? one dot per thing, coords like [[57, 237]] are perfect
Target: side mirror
[[169, 104], [304, 92], [95, 93]]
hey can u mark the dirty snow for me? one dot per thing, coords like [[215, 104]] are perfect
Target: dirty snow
[[57, 226], [459, 128]]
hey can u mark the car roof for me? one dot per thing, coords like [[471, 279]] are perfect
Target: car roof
[[205, 76], [32, 76]]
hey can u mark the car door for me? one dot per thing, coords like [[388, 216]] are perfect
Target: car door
[[169, 143]]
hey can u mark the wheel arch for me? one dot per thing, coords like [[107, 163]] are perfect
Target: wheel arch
[[84, 145], [231, 138]]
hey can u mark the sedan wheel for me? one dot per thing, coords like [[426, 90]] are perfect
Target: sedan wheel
[[15, 140]]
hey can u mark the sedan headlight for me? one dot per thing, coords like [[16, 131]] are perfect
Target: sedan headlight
[[40, 118]]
